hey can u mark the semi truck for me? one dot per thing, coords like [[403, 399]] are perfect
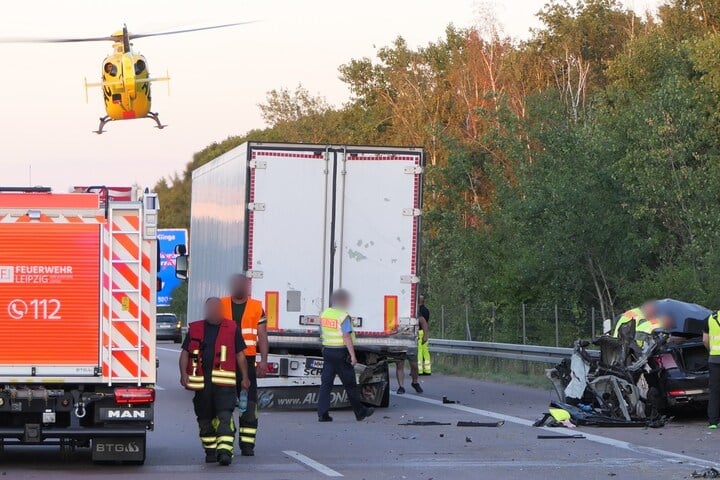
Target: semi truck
[[78, 276], [300, 221]]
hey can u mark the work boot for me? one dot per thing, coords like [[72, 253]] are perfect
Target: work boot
[[417, 387], [224, 458], [247, 451], [368, 413], [210, 455], [401, 390], [325, 418]]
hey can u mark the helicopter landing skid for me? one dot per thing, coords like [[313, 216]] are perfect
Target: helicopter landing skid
[[103, 121], [156, 117]]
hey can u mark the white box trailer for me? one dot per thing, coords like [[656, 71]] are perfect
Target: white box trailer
[[301, 221]]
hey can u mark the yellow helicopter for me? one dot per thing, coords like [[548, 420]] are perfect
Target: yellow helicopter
[[125, 77]]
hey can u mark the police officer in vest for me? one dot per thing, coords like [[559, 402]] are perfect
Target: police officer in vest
[[339, 357], [711, 338], [248, 315], [211, 355]]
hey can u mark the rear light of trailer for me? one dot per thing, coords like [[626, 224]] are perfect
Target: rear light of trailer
[[134, 395], [273, 368], [677, 393]]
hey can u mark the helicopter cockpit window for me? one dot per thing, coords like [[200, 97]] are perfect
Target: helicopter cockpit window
[[110, 69], [139, 67]]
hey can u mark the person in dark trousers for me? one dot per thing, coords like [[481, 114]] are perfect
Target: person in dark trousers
[[211, 356], [339, 357], [420, 362], [711, 338], [249, 316]]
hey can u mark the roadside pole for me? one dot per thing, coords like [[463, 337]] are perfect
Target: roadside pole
[[442, 322], [557, 328]]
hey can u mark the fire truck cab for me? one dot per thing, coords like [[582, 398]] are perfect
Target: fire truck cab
[[78, 279]]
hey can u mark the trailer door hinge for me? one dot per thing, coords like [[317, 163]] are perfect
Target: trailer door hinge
[[409, 279], [258, 164], [412, 212], [254, 274], [413, 170], [256, 207]]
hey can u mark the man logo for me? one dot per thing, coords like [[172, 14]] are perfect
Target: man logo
[[7, 274], [126, 414]]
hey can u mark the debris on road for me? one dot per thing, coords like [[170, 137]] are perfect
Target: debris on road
[[424, 424], [481, 424], [447, 401], [468, 440], [709, 473]]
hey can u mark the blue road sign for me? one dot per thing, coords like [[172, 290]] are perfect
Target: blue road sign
[[168, 238]]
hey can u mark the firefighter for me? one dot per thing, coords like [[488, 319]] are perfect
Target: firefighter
[[711, 339], [647, 310], [211, 355], [420, 363], [249, 316], [424, 363], [339, 357]]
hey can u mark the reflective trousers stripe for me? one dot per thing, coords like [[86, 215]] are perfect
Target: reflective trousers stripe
[[225, 442], [209, 442], [247, 439], [251, 431]]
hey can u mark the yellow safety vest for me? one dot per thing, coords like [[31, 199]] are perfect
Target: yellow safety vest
[[331, 320], [634, 314], [714, 333], [644, 329]]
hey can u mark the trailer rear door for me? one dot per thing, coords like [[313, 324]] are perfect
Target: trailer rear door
[[376, 228], [288, 234]]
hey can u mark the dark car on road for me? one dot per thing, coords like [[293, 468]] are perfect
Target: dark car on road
[[681, 363], [168, 327]]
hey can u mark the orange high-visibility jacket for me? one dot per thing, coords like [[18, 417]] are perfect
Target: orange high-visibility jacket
[[248, 324]]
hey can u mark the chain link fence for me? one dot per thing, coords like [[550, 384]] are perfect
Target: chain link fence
[[532, 324]]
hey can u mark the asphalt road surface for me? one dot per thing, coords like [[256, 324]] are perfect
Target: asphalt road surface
[[293, 445]]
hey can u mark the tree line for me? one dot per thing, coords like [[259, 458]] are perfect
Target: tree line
[[580, 166]]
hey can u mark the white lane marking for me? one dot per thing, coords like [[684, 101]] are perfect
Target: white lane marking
[[168, 349], [158, 387], [324, 469], [667, 455]]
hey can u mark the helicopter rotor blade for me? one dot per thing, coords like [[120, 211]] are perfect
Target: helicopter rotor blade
[[56, 40], [187, 30]]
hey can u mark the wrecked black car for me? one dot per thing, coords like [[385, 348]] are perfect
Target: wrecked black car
[[682, 361], [627, 382]]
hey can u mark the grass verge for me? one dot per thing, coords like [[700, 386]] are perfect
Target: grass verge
[[529, 374]]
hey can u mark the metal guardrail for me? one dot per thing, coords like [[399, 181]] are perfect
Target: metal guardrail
[[530, 353]]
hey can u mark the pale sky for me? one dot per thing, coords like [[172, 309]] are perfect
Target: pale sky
[[218, 77]]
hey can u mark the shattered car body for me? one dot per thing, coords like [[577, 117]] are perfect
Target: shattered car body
[[609, 387], [628, 384]]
